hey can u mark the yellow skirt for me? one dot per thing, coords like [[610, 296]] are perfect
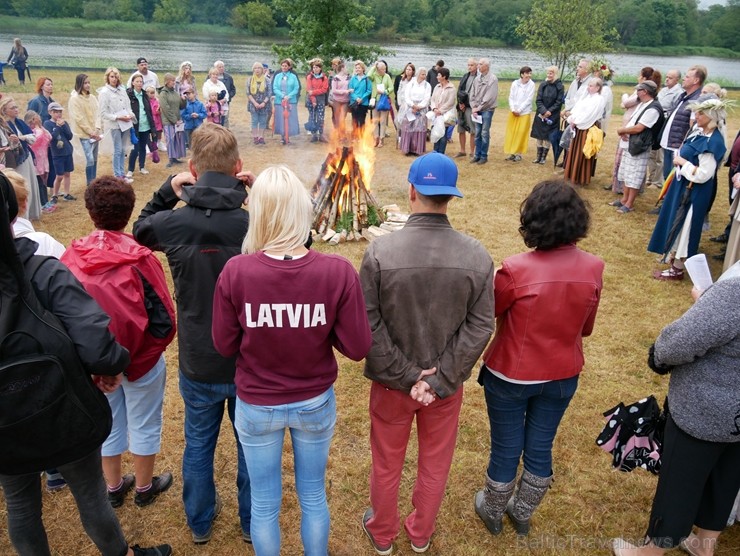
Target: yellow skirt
[[517, 133]]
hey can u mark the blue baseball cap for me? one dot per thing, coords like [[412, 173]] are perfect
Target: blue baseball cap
[[434, 174]]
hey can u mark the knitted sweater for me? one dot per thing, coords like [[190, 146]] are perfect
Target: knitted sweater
[[704, 348]]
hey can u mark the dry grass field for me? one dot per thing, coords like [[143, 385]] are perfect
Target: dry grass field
[[588, 504]]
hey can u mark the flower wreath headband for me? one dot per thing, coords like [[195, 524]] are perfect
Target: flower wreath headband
[[715, 108], [602, 66]]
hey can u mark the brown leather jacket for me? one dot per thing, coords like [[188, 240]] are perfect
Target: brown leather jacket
[[429, 296]]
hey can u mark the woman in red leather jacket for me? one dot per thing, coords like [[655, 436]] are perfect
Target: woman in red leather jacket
[[546, 301]]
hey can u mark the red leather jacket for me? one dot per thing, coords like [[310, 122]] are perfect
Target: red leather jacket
[[545, 301], [128, 282]]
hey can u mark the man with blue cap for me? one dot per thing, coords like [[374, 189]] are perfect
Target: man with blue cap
[[429, 296]]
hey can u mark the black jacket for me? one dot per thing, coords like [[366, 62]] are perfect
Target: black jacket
[[85, 322], [197, 239], [228, 82], [135, 109]]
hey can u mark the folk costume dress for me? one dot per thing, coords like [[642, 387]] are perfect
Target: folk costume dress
[[695, 179]]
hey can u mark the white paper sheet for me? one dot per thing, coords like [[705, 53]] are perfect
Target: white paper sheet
[[698, 270]]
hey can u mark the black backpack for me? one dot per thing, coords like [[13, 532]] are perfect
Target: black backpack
[[52, 412]]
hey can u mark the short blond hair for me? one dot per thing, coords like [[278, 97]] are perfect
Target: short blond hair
[[360, 63], [214, 149], [19, 186], [554, 69], [112, 71], [280, 212]]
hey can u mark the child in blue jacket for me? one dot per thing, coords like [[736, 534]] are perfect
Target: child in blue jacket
[[193, 114], [61, 151]]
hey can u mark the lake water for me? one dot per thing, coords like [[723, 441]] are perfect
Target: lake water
[[89, 52]]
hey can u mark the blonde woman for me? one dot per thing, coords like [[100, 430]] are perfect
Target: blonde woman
[[114, 108], [321, 307], [258, 102], [185, 81]]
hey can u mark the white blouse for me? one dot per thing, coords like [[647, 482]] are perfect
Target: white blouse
[[521, 96], [418, 94], [587, 111]]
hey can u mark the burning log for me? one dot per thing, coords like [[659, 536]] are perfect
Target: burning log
[[343, 204]]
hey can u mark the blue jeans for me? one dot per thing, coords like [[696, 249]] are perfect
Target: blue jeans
[[139, 150], [524, 418], [85, 480], [118, 156], [204, 410], [91, 158], [261, 433], [483, 135], [441, 145]]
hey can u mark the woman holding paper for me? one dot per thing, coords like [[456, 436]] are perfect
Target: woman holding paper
[[678, 229], [701, 450], [115, 113]]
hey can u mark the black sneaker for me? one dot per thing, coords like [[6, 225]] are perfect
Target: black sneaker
[[161, 550], [116, 497], [54, 199], [160, 483], [69, 197]]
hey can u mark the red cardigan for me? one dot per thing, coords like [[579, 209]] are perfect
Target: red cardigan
[[546, 301]]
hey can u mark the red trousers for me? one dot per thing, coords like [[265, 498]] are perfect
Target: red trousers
[[391, 414]]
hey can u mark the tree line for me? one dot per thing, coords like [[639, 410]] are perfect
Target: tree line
[[637, 23]]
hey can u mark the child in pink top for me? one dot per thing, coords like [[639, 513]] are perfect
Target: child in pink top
[[156, 112], [40, 147], [213, 109]]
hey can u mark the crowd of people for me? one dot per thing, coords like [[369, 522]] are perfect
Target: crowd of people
[[258, 313]]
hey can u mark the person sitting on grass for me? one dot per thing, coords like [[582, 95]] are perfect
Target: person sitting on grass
[[61, 152]]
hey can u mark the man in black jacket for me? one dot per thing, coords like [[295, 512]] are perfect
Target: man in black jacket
[[198, 239]]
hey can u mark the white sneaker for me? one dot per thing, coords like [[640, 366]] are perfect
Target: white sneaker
[[144, 171], [128, 180], [129, 174]]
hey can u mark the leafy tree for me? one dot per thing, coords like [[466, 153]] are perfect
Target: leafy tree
[[561, 30], [172, 11], [323, 27], [96, 9], [724, 32], [128, 10], [255, 16], [34, 8]]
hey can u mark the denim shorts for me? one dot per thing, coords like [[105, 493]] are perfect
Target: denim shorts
[[137, 414]]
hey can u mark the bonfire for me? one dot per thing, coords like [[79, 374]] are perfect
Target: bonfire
[[344, 206]]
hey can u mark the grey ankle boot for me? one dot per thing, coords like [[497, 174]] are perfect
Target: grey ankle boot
[[531, 491], [490, 503]]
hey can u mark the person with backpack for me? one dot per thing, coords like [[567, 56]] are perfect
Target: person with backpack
[[41, 295], [128, 282], [646, 123]]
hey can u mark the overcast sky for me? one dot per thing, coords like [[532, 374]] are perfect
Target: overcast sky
[[707, 3]]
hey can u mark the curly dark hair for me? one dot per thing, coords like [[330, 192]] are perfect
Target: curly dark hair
[[553, 215], [110, 202]]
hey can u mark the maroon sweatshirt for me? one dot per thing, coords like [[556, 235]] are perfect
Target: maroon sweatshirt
[[282, 318]]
